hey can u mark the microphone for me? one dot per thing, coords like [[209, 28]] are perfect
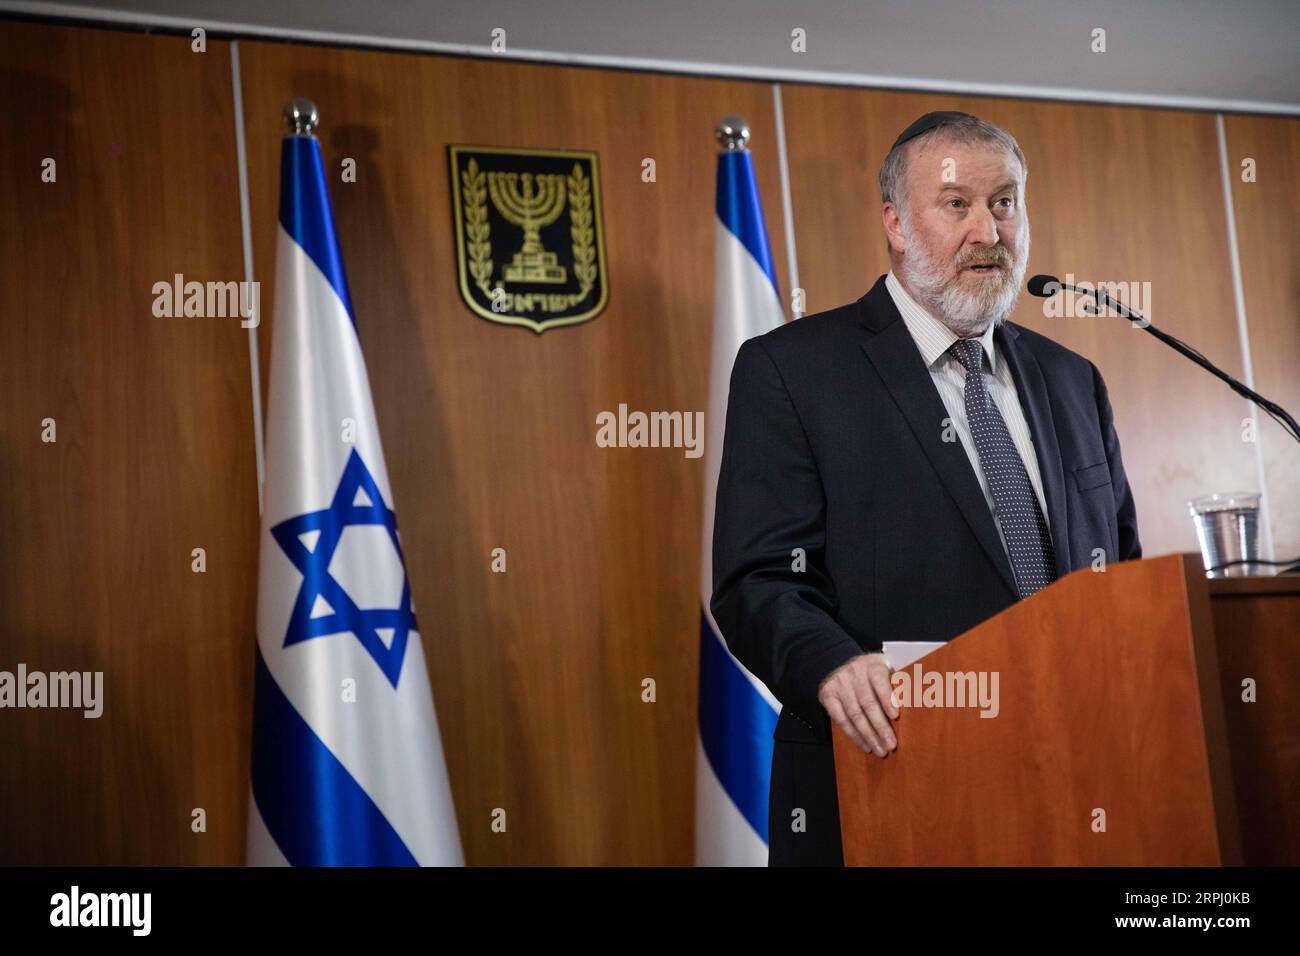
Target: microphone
[[1045, 286]]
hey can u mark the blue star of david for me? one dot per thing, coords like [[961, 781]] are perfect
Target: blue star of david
[[317, 581]]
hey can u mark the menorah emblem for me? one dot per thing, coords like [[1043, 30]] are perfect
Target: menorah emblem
[[532, 206], [544, 193]]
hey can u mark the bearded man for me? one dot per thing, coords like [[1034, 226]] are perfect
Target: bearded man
[[904, 467]]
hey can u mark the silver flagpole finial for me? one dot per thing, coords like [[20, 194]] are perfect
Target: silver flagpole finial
[[733, 133], [301, 117]]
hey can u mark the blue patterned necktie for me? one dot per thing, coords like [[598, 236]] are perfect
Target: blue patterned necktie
[[1029, 545]]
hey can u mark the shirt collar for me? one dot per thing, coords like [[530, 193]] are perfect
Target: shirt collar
[[932, 337]]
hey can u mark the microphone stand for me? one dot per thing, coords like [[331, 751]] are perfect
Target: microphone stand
[[1102, 298]]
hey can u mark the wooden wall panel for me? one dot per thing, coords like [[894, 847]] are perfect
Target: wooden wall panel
[[1114, 194], [489, 430], [1268, 237], [153, 455]]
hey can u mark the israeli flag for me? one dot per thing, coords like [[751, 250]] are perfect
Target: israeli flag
[[737, 712], [347, 764]]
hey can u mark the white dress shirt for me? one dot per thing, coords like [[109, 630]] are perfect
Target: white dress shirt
[[933, 339]]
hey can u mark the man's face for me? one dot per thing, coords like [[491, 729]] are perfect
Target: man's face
[[963, 237]]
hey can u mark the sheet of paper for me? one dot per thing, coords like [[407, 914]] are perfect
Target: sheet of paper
[[902, 653]]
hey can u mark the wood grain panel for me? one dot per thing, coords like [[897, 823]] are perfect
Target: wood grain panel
[[153, 456], [1113, 194], [1268, 237], [489, 430], [1256, 624]]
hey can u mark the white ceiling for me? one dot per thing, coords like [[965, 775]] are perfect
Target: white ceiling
[[1209, 54]]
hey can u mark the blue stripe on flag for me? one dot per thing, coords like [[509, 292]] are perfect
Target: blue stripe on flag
[[305, 211], [740, 210], [736, 727], [316, 811]]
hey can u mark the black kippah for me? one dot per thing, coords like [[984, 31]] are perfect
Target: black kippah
[[926, 123]]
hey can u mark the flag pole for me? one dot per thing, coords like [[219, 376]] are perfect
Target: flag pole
[[301, 117], [732, 133]]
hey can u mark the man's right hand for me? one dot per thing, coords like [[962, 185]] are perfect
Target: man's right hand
[[859, 698]]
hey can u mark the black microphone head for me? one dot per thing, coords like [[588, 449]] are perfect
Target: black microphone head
[[1044, 286]]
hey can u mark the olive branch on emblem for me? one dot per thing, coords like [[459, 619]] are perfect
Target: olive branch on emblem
[[582, 233], [477, 246]]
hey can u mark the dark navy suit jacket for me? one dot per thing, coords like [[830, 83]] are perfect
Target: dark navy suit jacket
[[835, 445]]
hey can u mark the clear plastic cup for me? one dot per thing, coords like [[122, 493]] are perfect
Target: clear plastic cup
[[1227, 527]]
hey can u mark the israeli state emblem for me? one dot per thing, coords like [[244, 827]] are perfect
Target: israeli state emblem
[[530, 249]]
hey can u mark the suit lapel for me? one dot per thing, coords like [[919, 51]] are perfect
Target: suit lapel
[[893, 353], [1032, 389]]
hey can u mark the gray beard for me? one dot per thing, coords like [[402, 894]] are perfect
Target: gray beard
[[967, 314]]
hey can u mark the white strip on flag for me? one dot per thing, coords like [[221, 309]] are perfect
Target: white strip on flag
[[737, 713], [347, 764]]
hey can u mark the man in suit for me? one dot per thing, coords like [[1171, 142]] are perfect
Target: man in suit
[[904, 467]]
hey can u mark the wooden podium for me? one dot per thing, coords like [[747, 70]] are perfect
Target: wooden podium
[[1119, 703]]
